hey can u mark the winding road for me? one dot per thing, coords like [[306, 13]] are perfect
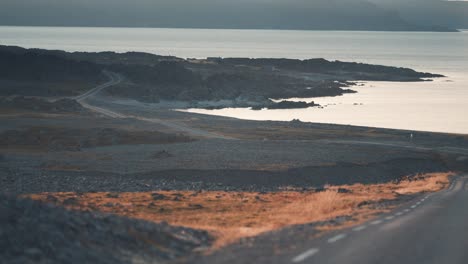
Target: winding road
[[115, 79], [431, 230]]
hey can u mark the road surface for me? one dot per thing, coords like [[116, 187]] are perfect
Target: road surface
[[431, 230], [114, 79]]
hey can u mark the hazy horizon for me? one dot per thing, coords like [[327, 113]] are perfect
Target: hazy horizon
[[414, 15]]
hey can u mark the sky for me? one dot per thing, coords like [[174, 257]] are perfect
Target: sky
[[275, 14]]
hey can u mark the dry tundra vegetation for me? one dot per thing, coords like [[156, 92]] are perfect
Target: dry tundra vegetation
[[230, 216]]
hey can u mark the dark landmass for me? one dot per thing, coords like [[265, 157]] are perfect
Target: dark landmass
[[212, 82], [287, 105], [268, 104], [33, 232], [249, 82], [34, 74], [105, 58]]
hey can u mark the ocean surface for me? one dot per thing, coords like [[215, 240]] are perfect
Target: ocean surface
[[440, 105]]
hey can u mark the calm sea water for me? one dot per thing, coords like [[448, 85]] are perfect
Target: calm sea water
[[441, 105]]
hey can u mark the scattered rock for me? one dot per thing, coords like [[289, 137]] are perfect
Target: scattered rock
[[196, 206], [343, 190], [158, 196], [113, 195], [258, 198], [320, 189], [364, 203], [296, 121]]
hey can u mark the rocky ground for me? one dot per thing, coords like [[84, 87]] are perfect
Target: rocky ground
[[50, 145], [55, 177], [34, 232], [63, 139]]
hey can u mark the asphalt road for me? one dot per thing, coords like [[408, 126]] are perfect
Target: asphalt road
[[431, 230]]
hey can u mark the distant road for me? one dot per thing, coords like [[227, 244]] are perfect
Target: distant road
[[431, 230], [115, 79]]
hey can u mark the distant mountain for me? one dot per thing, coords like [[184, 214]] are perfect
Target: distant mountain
[[384, 15], [453, 14]]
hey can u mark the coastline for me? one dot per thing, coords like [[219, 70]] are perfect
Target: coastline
[[368, 108]]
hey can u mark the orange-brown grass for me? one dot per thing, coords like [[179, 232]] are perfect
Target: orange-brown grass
[[233, 215]]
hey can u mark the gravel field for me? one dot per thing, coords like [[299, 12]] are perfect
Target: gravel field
[[21, 176], [212, 154], [214, 164]]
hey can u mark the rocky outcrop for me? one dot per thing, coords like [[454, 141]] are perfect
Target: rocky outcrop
[[286, 105]]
